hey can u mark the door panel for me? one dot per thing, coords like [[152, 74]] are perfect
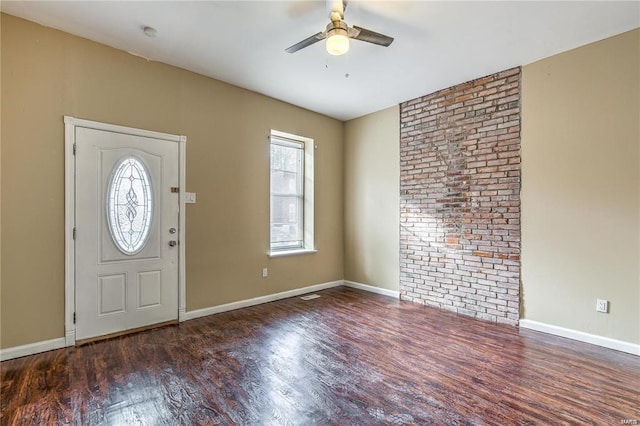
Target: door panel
[[124, 281], [111, 294], [149, 289]]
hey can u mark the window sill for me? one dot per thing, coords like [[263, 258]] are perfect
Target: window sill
[[291, 252]]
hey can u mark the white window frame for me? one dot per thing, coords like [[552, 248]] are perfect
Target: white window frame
[[308, 195]]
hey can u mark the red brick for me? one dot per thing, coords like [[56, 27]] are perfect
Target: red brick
[[460, 202]]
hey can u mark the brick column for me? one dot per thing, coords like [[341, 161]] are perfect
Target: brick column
[[460, 198]]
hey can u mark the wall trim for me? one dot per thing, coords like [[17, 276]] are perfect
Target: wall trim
[[198, 313], [32, 348], [618, 345], [372, 289]]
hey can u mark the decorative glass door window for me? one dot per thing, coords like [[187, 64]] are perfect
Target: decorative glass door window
[[129, 205]]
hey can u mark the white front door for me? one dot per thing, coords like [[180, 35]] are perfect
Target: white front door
[[126, 241]]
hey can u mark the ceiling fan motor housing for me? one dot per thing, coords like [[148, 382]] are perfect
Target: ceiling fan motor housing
[[337, 28]]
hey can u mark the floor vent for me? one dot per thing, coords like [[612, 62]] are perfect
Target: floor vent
[[309, 297]]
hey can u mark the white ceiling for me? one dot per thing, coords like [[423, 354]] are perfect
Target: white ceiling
[[437, 43]]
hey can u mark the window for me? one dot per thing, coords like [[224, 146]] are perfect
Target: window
[[287, 194], [129, 205], [291, 225]]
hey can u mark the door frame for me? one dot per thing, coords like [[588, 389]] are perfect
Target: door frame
[[70, 124]]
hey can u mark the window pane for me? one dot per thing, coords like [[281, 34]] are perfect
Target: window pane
[[277, 157], [285, 209], [285, 158], [286, 222], [285, 183], [129, 205]]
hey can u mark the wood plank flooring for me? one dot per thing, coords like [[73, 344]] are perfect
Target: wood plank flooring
[[346, 358]]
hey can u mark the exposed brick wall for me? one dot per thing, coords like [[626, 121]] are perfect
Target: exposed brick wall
[[460, 198]]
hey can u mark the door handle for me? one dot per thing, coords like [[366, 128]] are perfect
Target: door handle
[[172, 243]]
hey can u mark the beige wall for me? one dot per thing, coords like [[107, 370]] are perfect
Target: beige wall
[[581, 188], [47, 74], [372, 191]]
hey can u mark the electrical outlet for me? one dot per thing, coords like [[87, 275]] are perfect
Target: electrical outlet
[[265, 272], [602, 305]]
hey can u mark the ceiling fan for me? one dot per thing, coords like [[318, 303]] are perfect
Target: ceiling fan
[[338, 33]]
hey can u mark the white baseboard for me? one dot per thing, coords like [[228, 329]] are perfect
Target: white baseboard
[[32, 348], [606, 342], [69, 339], [372, 289], [257, 300]]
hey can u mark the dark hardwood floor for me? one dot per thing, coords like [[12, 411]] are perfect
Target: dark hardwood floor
[[347, 358]]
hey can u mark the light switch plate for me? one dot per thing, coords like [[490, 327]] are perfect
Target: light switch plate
[[190, 197]]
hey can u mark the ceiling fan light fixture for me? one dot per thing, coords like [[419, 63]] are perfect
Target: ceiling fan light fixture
[[338, 34], [337, 42]]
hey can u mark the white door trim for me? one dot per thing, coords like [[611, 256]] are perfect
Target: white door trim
[[70, 124]]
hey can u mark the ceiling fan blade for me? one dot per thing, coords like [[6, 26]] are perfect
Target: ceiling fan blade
[[369, 36], [306, 42]]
